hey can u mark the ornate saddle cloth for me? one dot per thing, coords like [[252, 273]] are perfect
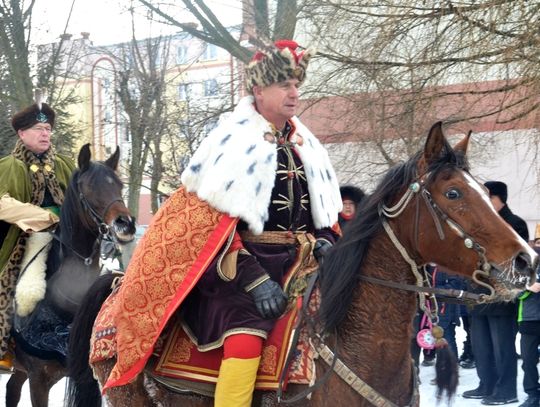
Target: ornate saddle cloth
[[178, 364], [180, 359]]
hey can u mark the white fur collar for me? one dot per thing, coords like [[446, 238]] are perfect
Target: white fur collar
[[234, 169]]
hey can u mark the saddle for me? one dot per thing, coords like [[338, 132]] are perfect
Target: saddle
[[181, 367], [176, 363]]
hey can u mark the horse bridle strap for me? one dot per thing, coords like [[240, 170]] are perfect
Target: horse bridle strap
[[444, 292], [360, 386]]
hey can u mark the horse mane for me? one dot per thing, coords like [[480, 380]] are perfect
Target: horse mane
[[342, 264], [71, 207]]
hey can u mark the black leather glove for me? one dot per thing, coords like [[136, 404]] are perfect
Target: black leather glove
[[320, 249], [269, 298]]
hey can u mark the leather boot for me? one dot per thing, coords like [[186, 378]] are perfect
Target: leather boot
[[236, 382]]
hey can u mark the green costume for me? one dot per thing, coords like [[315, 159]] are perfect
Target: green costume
[[25, 176]]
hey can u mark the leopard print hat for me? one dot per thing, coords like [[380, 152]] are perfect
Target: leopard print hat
[[277, 64]]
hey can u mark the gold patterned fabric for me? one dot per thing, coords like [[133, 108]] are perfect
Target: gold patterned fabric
[[183, 238]]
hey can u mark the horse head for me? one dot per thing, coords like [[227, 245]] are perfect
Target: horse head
[[466, 235], [100, 193]]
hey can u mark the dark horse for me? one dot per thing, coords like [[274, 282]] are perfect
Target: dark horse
[[428, 209], [93, 211]]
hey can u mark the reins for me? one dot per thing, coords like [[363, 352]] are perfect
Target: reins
[[104, 232], [335, 364], [449, 294], [416, 189]]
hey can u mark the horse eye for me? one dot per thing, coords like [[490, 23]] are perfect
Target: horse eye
[[453, 194]]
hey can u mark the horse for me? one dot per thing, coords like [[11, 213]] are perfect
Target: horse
[[93, 212], [429, 209]]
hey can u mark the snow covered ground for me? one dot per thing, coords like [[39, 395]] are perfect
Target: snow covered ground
[[467, 381]]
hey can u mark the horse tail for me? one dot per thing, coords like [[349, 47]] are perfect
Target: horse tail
[[446, 369], [83, 390]]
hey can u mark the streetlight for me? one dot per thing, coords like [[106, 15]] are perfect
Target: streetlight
[[98, 133]]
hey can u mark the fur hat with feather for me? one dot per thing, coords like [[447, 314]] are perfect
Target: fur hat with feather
[[38, 112], [277, 63]]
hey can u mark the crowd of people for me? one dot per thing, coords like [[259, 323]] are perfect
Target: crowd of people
[[280, 172]]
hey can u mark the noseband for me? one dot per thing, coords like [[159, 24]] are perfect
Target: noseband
[[419, 190], [96, 217], [104, 232]]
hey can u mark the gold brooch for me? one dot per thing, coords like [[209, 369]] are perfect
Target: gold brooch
[[47, 167], [34, 168]]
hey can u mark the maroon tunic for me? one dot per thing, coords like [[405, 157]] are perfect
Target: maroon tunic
[[217, 308]]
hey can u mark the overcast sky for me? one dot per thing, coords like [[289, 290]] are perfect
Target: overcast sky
[[107, 21]]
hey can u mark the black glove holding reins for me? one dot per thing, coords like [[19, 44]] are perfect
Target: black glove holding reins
[[269, 299], [321, 247]]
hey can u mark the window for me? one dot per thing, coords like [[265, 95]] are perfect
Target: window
[[181, 55], [184, 91], [210, 52], [210, 87]]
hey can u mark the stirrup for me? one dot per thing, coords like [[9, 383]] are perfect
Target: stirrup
[[6, 367]]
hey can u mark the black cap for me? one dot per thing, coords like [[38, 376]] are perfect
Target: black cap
[[497, 188], [351, 192]]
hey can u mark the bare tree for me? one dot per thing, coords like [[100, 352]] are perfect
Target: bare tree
[[258, 15], [18, 78], [441, 43], [386, 71], [142, 93]]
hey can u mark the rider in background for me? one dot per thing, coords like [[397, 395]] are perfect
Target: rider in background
[[300, 196], [33, 179]]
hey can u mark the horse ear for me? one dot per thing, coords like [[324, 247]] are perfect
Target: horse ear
[[463, 143], [84, 157], [433, 148], [112, 161]]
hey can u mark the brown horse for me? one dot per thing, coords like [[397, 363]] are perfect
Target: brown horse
[[93, 212], [429, 209]]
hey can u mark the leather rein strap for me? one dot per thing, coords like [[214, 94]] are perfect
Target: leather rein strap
[[447, 295]]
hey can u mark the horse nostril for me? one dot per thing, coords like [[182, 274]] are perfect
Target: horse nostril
[[126, 223], [523, 262]]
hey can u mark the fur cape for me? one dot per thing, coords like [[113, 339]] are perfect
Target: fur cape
[[234, 169]]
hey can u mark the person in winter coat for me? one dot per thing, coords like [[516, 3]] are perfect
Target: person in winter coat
[[351, 197], [33, 179], [529, 328], [494, 326]]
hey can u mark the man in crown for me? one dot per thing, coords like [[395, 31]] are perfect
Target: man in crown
[[299, 194], [266, 191], [32, 183]]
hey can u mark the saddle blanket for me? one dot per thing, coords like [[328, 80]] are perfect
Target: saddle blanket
[[180, 358], [176, 357]]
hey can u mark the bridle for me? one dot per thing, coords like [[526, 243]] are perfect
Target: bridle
[[418, 190], [104, 231]]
